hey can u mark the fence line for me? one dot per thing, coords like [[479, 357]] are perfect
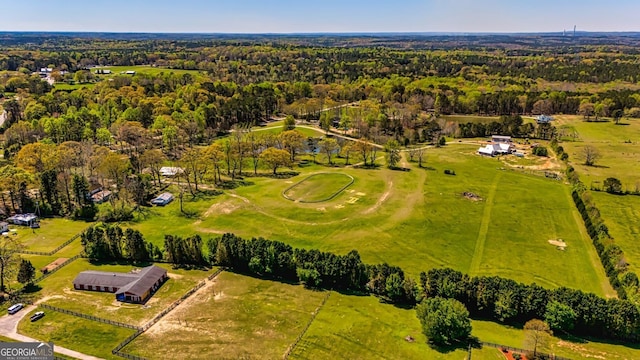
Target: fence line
[[90, 317], [65, 263], [65, 244], [522, 351], [163, 313], [304, 331]]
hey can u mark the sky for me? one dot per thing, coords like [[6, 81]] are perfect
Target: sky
[[313, 16]]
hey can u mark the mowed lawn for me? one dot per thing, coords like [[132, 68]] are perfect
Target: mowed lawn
[[51, 234], [622, 215], [58, 291], [360, 327], [237, 317], [86, 336], [572, 348], [618, 145], [520, 218], [318, 187], [417, 220]]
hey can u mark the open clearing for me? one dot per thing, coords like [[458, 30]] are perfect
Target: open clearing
[[58, 289], [86, 336], [618, 145], [238, 317], [417, 219], [318, 187], [622, 215], [51, 234]]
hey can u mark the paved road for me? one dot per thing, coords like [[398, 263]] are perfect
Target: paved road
[[9, 328]]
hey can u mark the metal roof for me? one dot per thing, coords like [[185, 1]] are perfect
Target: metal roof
[[137, 283]]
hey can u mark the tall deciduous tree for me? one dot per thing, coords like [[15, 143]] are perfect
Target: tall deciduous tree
[[393, 153], [537, 335], [329, 147], [275, 158], [444, 320], [590, 155], [9, 259]]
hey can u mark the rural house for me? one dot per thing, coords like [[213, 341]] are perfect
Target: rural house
[[23, 219], [134, 287]]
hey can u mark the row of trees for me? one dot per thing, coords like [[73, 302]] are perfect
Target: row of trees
[[107, 242], [489, 297]]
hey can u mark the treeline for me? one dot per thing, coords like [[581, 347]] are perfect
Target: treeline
[[316, 269], [510, 125], [507, 300], [625, 282], [112, 243], [109, 242], [493, 297]]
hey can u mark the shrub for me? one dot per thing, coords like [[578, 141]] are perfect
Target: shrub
[[540, 151]]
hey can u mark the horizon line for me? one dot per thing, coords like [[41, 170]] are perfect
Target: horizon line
[[449, 33]]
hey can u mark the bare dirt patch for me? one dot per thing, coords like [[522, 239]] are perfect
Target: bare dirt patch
[[581, 349], [471, 196], [382, 199], [173, 321], [53, 265], [558, 243]]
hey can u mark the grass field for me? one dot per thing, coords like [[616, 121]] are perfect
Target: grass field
[[621, 214], [57, 290], [355, 327], [237, 317], [417, 220], [318, 187], [51, 234], [88, 337], [618, 145], [572, 348]]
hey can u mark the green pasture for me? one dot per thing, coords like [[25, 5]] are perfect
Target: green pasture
[[86, 336], [318, 187], [618, 146], [360, 327], [237, 317], [621, 215], [569, 347], [417, 219], [58, 291], [51, 234]]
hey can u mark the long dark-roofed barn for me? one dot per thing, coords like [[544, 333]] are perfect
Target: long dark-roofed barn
[[134, 287]]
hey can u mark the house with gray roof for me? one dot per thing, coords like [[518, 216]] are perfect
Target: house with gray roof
[[136, 286]]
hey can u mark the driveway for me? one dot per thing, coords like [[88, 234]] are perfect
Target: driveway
[[9, 328]]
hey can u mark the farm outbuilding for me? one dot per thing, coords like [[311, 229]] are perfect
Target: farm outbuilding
[[23, 219], [4, 227], [163, 199], [134, 287]]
